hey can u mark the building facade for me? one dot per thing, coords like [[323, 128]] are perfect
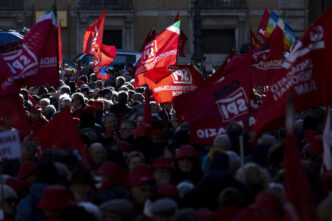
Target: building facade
[[225, 23]]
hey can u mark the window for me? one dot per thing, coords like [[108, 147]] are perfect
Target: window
[[113, 37], [216, 41]]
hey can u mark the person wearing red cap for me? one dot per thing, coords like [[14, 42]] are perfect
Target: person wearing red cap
[[111, 183], [142, 130], [267, 206], [37, 119], [162, 170], [55, 200], [141, 181], [186, 160]]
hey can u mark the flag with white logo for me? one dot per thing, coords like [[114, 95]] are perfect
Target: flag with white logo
[[162, 51]]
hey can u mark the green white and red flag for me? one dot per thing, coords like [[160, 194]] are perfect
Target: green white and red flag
[[162, 51]]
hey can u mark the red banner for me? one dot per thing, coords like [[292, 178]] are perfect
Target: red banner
[[32, 61], [305, 74], [177, 80], [210, 108], [161, 52]]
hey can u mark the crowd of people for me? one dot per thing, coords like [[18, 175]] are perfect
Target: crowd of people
[[140, 171]]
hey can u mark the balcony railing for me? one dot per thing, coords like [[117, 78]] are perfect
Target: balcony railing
[[222, 4], [109, 4], [11, 5]]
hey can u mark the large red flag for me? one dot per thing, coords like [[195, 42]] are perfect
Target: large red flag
[[210, 108], [182, 39], [177, 80], [263, 24], [161, 52], [62, 126], [59, 45], [34, 60], [305, 74], [93, 36], [300, 204], [266, 61]]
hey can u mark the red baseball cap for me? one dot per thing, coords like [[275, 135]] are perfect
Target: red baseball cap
[[140, 174], [55, 197], [162, 162], [186, 150], [110, 169], [142, 130], [125, 146]]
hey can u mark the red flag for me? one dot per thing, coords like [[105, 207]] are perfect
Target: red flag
[[147, 118], [210, 108], [61, 126], [59, 45], [179, 79], [93, 36], [300, 204], [34, 60], [262, 24], [266, 61], [161, 52], [182, 39], [108, 54], [220, 72], [305, 74], [149, 37]]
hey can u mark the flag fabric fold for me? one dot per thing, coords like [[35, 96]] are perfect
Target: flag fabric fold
[[172, 81], [162, 51], [61, 126], [210, 108]]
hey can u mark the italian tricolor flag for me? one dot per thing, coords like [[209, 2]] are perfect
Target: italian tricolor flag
[[162, 51]]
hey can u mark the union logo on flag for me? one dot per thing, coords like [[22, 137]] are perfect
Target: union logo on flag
[[149, 52]]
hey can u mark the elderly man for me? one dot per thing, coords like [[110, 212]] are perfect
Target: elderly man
[[77, 104]]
